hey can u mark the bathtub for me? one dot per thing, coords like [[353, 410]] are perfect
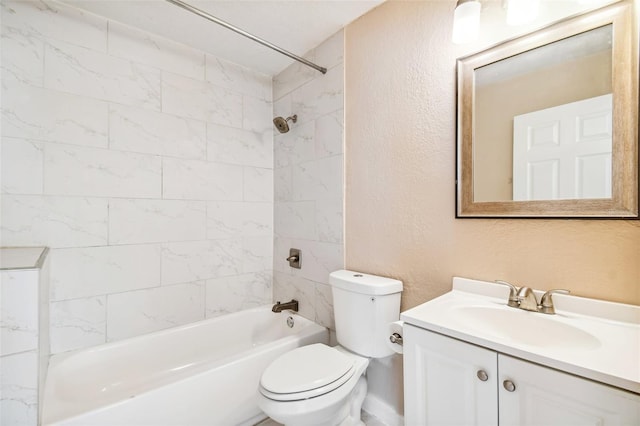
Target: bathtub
[[205, 373]]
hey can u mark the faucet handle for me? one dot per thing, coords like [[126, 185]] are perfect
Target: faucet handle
[[513, 293], [546, 303]]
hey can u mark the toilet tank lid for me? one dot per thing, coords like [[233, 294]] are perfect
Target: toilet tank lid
[[358, 282]]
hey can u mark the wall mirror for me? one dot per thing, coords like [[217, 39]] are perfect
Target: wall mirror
[[548, 122]]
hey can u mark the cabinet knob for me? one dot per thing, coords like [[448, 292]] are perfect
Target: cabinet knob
[[509, 385], [482, 375]]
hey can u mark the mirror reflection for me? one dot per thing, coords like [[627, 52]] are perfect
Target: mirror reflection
[[551, 136], [547, 123]]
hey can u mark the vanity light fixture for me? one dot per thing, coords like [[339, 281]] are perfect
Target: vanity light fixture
[[520, 12], [466, 20]]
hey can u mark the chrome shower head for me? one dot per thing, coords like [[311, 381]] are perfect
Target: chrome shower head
[[282, 123]]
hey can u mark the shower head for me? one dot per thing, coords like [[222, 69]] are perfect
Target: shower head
[[282, 123]]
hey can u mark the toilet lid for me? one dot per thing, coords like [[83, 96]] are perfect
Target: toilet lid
[[306, 368]]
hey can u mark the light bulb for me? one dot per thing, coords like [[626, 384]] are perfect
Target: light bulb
[[466, 20], [522, 11]]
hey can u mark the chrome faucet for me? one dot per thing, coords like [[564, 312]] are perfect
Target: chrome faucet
[[279, 307], [525, 298], [513, 294], [546, 303]]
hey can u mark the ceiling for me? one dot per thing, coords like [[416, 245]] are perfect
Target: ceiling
[[294, 25]]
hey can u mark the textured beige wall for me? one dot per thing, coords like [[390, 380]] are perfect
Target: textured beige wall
[[400, 169]]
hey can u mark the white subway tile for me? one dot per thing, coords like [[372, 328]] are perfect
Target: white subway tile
[[97, 75], [330, 219], [22, 58], [226, 219], [139, 46], [150, 221], [95, 271], [256, 114], [33, 113], [258, 184], [151, 132], [19, 389], [320, 96], [257, 254], [199, 260], [238, 78], [294, 76], [98, 172], [78, 323], [258, 220], [21, 163], [296, 146], [329, 134], [201, 180], [330, 52], [295, 219], [318, 179], [200, 100], [231, 219], [144, 311], [29, 220], [324, 306], [18, 311], [309, 170], [320, 259], [282, 107], [237, 146], [47, 19], [232, 294], [283, 183]]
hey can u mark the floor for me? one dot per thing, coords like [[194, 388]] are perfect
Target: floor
[[368, 419]]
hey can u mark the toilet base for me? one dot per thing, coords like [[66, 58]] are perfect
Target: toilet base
[[355, 407]]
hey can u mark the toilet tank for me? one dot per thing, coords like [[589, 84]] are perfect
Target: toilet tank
[[363, 306]]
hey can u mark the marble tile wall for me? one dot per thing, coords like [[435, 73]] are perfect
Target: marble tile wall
[[24, 340], [308, 180], [145, 165]]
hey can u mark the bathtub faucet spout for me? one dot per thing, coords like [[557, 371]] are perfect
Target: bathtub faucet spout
[[279, 307]]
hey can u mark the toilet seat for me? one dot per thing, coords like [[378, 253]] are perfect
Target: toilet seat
[[306, 372]]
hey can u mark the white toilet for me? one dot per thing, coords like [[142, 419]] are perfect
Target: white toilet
[[323, 385]]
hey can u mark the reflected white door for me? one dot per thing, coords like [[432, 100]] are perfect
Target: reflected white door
[[563, 152]]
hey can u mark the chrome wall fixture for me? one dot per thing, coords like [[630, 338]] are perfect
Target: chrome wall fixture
[[282, 124], [235, 29]]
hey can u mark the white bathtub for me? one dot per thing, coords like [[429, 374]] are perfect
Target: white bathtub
[[204, 373]]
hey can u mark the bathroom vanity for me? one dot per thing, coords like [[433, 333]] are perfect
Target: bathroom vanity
[[471, 359]]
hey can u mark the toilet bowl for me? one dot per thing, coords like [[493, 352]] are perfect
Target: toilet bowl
[[313, 385], [323, 385]]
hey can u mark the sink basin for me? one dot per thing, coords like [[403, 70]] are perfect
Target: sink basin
[[589, 338], [525, 327]]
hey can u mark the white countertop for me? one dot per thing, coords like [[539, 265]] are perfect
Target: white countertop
[[606, 347]]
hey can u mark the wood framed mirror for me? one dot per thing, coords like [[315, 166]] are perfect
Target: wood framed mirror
[[547, 123]]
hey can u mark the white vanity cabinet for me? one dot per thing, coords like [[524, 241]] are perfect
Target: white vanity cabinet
[[451, 382]]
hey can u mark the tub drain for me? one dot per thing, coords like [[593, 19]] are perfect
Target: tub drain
[[290, 322]]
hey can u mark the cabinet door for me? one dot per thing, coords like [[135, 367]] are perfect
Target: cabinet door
[[543, 396], [444, 383]]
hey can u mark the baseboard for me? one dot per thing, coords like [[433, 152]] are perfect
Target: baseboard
[[383, 411]]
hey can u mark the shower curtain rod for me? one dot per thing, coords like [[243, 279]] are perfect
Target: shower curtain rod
[[227, 25]]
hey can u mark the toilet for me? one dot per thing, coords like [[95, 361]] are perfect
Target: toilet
[[323, 385]]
